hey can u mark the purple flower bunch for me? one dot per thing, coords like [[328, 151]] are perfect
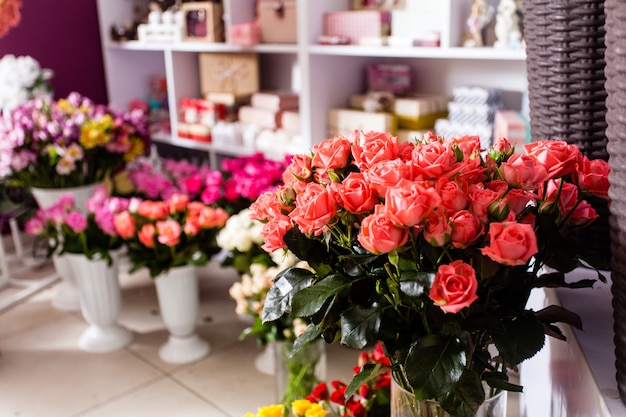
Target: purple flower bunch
[[69, 142], [71, 230]]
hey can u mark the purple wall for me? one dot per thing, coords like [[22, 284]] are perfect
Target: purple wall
[[62, 36]]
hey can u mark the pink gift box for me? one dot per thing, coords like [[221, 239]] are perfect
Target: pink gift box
[[277, 19], [245, 34], [397, 79], [357, 24]]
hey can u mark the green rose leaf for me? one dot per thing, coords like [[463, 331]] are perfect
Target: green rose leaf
[[360, 326], [465, 396], [279, 297], [434, 364], [368, 372], [311, 299], [520, 339]]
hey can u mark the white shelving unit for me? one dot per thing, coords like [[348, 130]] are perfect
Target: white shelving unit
[[325, 76]]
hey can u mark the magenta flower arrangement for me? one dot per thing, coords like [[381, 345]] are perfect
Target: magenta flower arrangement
[[69, 142], [432, 248], [72, 231], [164, 234], [239, 182]]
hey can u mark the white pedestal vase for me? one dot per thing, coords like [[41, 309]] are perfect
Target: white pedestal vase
[[177, 293], [66, 293], [100, 302]]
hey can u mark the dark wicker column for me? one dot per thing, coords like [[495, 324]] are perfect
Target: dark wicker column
[[616, 133], [565, 66]]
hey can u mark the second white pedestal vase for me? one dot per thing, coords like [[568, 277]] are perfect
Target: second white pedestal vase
[[66, 293], [100, 302], [177, 293]]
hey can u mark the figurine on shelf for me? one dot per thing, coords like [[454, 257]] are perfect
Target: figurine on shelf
[[481, 14], [508, 30]]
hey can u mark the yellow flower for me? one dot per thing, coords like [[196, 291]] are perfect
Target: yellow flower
[[65, 106], [306, 408], [137, 147], [95, 132], [315, 410], [271, 411]]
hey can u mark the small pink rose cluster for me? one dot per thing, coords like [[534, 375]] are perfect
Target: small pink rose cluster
[[448, 194], [76, 230]]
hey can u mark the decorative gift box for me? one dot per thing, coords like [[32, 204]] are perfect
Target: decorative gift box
[[357, 24], [275, 100], [394, 78], [378, 4], [234, 73], [344, 121], [203, 21], [245, 34], [267, 119], [511, 125], [277, 19]]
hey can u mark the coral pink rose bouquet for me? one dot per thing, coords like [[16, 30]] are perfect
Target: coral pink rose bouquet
[[163, 234], [431, 248]]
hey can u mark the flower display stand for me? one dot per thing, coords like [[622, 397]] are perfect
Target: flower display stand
[[100, 302], [177, 293]]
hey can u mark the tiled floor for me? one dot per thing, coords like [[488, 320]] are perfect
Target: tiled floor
[[43, 373]]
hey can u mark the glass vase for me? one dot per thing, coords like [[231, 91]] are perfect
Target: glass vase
[[404, 404], [297, 374]]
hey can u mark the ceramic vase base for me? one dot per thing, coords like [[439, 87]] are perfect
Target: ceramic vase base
[[264, 362], [184, 349], [101, 340], [66, 297]]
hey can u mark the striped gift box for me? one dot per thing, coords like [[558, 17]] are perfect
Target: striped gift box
[[357, 24], [449, 129], [478, 95], [474, 114]]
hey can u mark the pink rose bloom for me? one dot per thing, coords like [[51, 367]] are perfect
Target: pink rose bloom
[[274, 232], [34, 226], [193, 183], [517, 200], [409, 204], [105, 219], [558, 157], [153, 210], [330, 154], [577, 213], [169, 232], [298, 170], [379, 234], [503, 145], [211, 194], [466, 229], [511, 243], [354, 194], [76, 221], [124, 225], [405, 151], [315, 208], [454, 287], [523, 171], [385, 174], [178, 202], [469, 145], [146, 235], [480, 199], [432, 161], [437, 229], [592, 177], [453, 196], [230, 190], [372, 147]]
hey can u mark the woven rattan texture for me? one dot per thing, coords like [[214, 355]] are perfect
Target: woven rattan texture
[[565, 67], [616, 133]]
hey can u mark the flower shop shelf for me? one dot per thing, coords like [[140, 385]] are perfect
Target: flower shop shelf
[[325, 76]]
